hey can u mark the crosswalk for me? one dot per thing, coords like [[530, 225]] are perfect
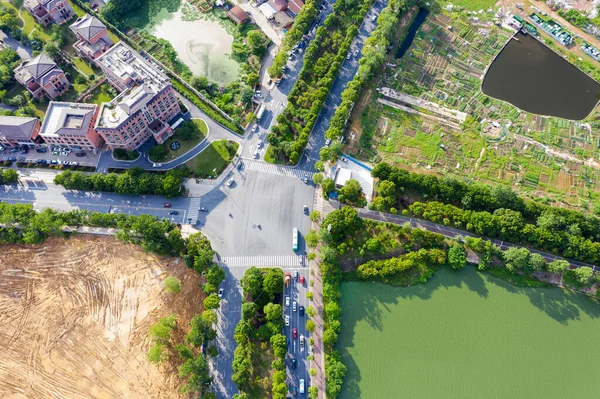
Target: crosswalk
[[277, 169], [193, 209], [263, 261]]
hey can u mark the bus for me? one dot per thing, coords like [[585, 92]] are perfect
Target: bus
[[295, 239], [260, 112]]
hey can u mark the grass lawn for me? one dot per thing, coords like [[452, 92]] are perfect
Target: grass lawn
[[78, 11], [125, 155], [83, 66], [100, 95], [195, 128], [30, 23], [217, 156]]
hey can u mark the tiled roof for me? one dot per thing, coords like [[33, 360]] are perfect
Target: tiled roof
[[17, 127]]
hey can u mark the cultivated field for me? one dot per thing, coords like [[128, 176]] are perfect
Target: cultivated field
[[75, 315]]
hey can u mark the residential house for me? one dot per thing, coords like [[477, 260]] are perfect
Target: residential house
[[237, 15], [295, 6], [93, 39], [71, 125], [278, 5], [48, 12], [42, 77], [19, 130]]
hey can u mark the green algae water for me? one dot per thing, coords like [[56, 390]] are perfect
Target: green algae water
[[468, 335]]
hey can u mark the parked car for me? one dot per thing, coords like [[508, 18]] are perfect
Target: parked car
[[302, 343], [41, 150], [374, 18], [259, 144], [203, 209], [305, 209], [220, 293], [301, 310], [287, 301], [173, 213], [255, 127], [80, 154], [355, 53], [349, 55], [295, 332], [302, 280], [73, 163], [54, 162], [294, 363], [256, 154], [327, 142], [229, 182], [166, 205], [344, 160], [1, 148], [11, 159]]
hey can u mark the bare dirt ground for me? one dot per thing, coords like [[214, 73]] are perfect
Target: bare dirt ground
[[74, 317]]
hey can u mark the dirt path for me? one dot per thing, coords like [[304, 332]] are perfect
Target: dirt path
[[75, 315]]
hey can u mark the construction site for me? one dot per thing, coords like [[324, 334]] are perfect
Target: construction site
[[75, 315]]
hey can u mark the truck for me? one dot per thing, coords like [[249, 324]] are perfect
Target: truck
[[288, 277]]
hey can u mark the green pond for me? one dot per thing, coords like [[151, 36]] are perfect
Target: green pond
[[200, 41], [468, 335]]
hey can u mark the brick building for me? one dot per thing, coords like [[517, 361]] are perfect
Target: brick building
[[93, 39], [145, 106], [71, 125], [42, 77], [19, 130], [48, 12]]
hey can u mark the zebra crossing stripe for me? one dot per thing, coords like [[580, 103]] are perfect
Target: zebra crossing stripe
[[193, 208], [259, 261], [277, 170]]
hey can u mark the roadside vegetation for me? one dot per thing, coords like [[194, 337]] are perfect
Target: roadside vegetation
[[352, 248], [212, 160], [8, 176], [322, 61], [133, 181], [258, 362]]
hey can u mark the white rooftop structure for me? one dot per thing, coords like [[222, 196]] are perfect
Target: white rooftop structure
[[67, 118], [131, 68], [342, 177], [124, 105]]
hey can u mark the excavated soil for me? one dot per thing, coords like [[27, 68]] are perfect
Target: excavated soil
[[74, 317]]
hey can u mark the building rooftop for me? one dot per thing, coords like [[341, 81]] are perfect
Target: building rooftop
[[342, 177], [124, 105], [239, 13], [17, 127], [67, 118], [36, 67], [295, 6], [87, 26], [127, 64]]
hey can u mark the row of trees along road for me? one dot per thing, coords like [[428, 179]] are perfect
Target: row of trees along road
[[496, 212], [322, 61]]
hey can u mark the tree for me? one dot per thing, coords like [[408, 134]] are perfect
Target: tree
[[328, 186], [457, 257], [387, 188], [215, 275], [310, 326], [161, 330], [318, 178], [249, 310], [252, 282], [351, 191], [209, 316], [197, 372], [157, 353], [273, 282], [279, 344], [172, 284], [157, 153], [516, 258], [273, 312], [558, 266], [583, 275], [246, 95], [312, 371], [252, 79], [212, 301], [315, 216], [312, 239], [52, 49], [536, 263], [256, 42]]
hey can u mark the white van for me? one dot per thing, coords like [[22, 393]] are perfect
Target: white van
[[301, 388]]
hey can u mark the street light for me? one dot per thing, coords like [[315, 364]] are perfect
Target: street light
[[215, 172]]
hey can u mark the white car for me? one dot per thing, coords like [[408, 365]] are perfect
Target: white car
[[349, 55], [229, 182], [287, 320], [301, 386], [255, 127], [327, 142], [287, 301], [374, 18], [156, 165], [256, 154], [220, 292], [259, 144], [355, 53], [301, 343], [294, 306]]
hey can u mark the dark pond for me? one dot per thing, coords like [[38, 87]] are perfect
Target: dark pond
[[412, 31], [532, 77]]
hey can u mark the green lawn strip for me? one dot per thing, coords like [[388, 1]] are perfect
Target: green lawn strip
[[100, 95], [194, 132], [216, 156], [521, 280], [78, 11], [83, 66], [123, 155]]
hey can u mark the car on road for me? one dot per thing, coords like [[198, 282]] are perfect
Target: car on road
[[258, 95], [301, 310], [344, 159], [302, 343], [220, 293], [305, 209], [259, 144], [173, 213], [287, 320], [166, 205], [80, 154], [229, 182], [374, 18], [301, 386], [327, 142], [54, 162], [306, 179], [293, 390], [296, 275], [301, 259], [349, 55], [302, 280], [240, 165], [355, 53], [294, 305], [41, 150], [287, 301], [255, 127], [295, 331], [256, 154], [12, 159], [203, 209], [156, 165], [294, 363]]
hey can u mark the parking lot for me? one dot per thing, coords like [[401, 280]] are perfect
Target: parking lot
[[50, 155]]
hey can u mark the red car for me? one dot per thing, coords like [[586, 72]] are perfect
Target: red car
[[302, 280], [166, 205], [295, 333]]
